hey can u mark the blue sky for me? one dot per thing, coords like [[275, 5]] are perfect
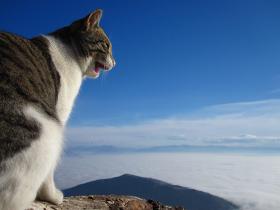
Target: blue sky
[[174, 58], [189, 72]]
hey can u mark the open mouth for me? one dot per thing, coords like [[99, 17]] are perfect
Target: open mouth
[[99, 67]]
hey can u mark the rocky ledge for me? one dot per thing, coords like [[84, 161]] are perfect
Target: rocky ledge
[[97, 202]]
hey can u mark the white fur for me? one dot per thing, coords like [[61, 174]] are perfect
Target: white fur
[[29, 169], [30, 173], [70, 71]]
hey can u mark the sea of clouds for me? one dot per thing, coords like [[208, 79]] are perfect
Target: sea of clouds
[[251, 181]]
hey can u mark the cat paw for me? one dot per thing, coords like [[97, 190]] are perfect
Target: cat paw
[[56, 197]]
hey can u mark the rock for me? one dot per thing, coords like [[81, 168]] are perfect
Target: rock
[[99, 202]]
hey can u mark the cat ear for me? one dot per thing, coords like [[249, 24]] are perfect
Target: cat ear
[[93, 19]]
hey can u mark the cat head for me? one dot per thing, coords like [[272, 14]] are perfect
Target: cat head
[[90, 43]]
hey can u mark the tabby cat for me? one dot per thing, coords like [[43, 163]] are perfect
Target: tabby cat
[[39, 81]]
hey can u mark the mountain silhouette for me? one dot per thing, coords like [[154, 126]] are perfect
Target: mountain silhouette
[[148, 188]]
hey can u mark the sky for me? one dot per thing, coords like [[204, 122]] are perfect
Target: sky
[[173, 57], [224, 125], [189, 74]]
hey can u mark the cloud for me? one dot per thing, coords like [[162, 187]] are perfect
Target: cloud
[[238, 124], [249, 180], [274, 91], [248, 140]]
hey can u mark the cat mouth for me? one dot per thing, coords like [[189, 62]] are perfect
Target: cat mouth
[[98, 67]]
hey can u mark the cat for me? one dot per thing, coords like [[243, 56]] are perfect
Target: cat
[[39, 81]]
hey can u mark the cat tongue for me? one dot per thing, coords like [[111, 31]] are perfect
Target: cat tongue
[[96, 69]]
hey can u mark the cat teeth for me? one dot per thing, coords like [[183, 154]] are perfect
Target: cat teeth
[[95, 72]]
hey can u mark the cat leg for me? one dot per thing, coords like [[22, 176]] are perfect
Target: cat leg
[[28, 171], [23, 175], [16, 191], [20, 181], [48, 191]]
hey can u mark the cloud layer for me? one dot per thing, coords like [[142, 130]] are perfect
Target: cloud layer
[[238, 124], [249, 180]]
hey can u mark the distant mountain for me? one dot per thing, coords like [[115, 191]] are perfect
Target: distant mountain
[[153, 189], [104, 149]]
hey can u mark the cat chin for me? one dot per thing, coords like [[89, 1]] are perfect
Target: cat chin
[[92, 74]]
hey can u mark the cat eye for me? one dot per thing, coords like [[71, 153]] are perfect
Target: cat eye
[[107, 45]]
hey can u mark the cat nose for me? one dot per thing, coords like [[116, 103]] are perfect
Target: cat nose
[[113, 61]]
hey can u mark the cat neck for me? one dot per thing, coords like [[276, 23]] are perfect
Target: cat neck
[[70, 70], [70, 45]]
